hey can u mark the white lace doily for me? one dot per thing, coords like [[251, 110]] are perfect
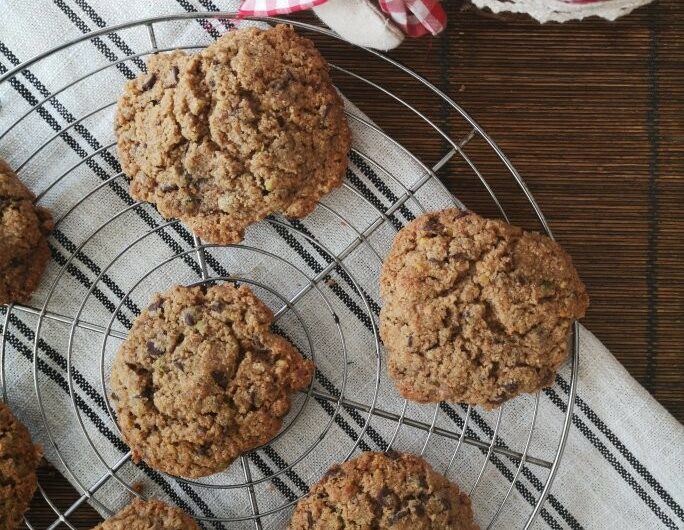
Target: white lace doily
[[562, 11]]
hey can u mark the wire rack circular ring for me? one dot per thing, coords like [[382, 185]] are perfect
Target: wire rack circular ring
[[307, 279]]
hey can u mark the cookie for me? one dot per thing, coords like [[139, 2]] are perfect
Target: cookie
[[149, 515], [383, 491], [476, 310], [23, 248], [250, 126], [19, 459], [201, 379]]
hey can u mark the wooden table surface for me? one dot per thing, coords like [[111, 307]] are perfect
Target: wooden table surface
[[592, 116]]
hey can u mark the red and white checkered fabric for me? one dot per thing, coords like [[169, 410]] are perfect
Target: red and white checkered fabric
[[276, 7], [414, 17]]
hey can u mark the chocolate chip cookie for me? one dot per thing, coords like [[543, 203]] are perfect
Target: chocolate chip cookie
[[383, 491], [476, 310], [19, 459], [250, 126], [23, 248], [201, 379], [148, 515]]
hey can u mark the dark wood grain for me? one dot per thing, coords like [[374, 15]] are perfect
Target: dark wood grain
[[592, 116]]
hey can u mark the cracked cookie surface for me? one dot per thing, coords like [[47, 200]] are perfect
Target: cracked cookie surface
[[476, 310], [19, 459], [384, 491], [23, 248], [149, 515], [201, 379], [248, 127]]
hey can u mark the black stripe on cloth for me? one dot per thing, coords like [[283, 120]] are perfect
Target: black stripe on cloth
[[342, 272], [206, 4], [284, 490], [80, 276], [374, 199], [652, 126], [622, 449], [97, 41], [329, 409], [206, 25], [380, 185], [605, 452], [526, 471], [88, 262], [114, 37], [501, 466], [80, 381]]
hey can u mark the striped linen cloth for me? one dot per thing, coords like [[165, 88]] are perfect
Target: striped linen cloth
[[623, 463]]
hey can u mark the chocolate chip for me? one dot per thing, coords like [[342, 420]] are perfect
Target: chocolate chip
[[262, 356], [420, 510], [421, 481], [392, 454], [458, 256], [220, 378], [400, 515], [168, 187], [259, 346], [281, 83], [204, 449], [511, 388], [432, 225], [446, 503], [174, 73], [115, 397], [147, 393], [309, 520], [149, 83], [334, 471], [155, 305], [179, 365], [409, 341], [153, 350], [189, 318], [387, 497], [217, 306]]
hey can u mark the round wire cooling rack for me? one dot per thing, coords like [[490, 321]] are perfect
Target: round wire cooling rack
[[319, 275]]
